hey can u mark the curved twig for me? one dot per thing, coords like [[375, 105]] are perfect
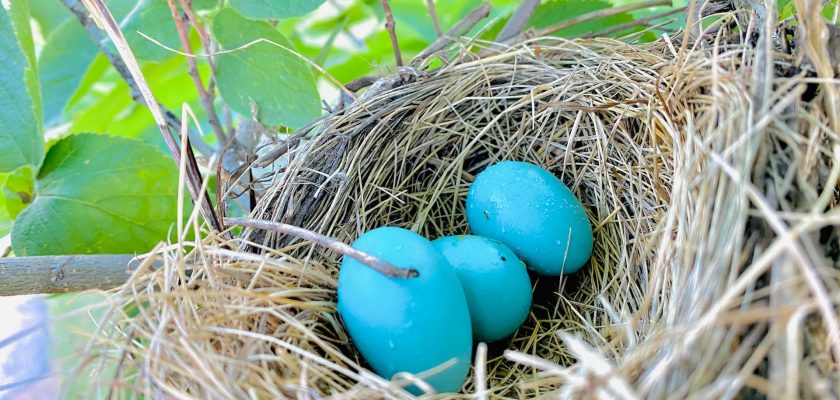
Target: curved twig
[[379, 265]]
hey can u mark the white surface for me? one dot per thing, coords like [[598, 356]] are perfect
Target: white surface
[[24, 348]]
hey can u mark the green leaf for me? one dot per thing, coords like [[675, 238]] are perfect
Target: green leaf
[[556, 11], [263, 79], [49, 14], [17, 190], [92, 76], [168, 80], [64, 61], [153, 19], [20, 97], [275, 9], [6, 220], [98, 194], [205, 4]]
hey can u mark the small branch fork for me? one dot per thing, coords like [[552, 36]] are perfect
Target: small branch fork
[[381, 266], [390, 25]]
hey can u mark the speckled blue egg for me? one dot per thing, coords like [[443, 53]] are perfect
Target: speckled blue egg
[[495, 282], [406, 325], [527, 208]]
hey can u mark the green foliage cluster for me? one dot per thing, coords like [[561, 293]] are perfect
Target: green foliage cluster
[[83, 168]]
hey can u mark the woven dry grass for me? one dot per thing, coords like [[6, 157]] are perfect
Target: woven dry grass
[[708, 167]]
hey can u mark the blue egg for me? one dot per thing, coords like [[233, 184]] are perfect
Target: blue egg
[[406, 325], [495, 282], [533, 212]]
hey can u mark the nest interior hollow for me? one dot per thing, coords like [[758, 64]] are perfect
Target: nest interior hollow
[[406, 157]]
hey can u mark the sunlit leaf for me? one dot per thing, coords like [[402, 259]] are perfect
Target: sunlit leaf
[[98, 194], [275, 9], [64, 61], [20, 95], [49, 14], [152, 18], [556, 11], [17, 190], [263, 79]]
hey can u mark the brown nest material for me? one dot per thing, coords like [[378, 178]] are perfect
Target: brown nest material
[[709, 171]]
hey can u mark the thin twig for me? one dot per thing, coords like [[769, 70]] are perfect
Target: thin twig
[[381, 266], [205, 96], [391, 26], [460, 29], [102, 15], [602, 13], [95, 34], [518, 20], [430, 4]]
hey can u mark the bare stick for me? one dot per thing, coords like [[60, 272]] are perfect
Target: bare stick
[[95, 34], [59, 274], [390, 25], [603, 13], [205, 96], [518, 20], [381, 266], [103, 18], [430, 4], [460, 29]]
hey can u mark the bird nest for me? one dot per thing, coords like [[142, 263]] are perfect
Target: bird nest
[[708, 169]]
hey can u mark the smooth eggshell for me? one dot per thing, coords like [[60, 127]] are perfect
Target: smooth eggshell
[[495, 282], [527, 208], [406, 325]]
